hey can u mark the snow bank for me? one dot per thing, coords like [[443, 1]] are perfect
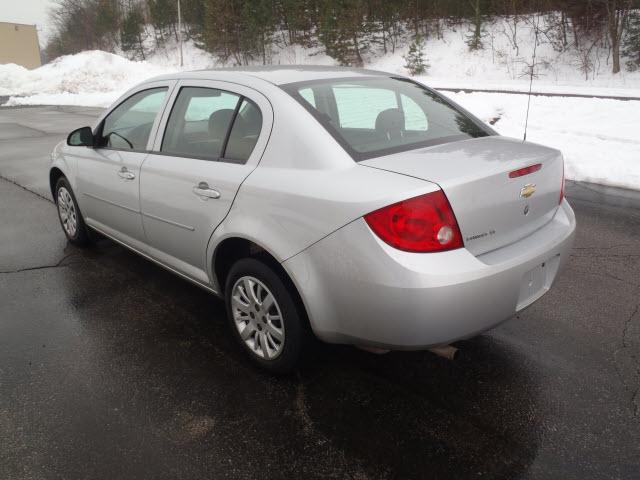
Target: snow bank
[[92, 78], [97, 78]]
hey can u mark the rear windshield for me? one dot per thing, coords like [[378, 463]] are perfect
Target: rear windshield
[[373, 116]]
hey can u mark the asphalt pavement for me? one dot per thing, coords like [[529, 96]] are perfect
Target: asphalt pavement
[[113, 368]]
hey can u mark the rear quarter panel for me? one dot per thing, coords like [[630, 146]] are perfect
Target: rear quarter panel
[[287, 210]]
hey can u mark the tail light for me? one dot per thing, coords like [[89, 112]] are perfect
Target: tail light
[[562, 185], [420, 224]]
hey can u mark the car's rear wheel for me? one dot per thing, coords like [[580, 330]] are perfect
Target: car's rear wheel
[[69, 214], [265, 316]]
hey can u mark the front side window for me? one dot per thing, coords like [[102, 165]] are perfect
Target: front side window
[[199, 122], [378, 116], [129, 125]]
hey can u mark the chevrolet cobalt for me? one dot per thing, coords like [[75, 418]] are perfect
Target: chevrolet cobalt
[[355, 206]]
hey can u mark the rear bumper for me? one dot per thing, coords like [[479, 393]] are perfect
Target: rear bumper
[[359, 290]]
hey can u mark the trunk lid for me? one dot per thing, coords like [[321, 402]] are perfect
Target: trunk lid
[[492, 209]]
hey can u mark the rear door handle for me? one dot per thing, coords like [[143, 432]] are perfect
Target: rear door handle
[[205, 192], [126, 174]]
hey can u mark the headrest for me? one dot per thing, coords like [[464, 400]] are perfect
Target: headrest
[[219, 123], [390, 123]]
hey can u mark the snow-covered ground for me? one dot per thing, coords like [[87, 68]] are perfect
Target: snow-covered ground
[[599, 138], [503, 63]]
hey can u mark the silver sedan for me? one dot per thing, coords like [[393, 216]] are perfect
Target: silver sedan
[[347, 205]]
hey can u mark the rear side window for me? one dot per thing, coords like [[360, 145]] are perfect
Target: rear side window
[[244, 133], [308, 95], [212, 124], [129, 125], [199, 122]]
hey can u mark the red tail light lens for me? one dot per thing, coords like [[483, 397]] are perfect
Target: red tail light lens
[[525, 171], [421, 224]]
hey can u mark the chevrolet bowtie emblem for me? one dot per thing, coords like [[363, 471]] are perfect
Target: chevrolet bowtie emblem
[[528, 190]]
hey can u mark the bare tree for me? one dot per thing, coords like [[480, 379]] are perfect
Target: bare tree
[[584, 57], [617, 13]]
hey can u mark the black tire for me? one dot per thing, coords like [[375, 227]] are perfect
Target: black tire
[[297, 335], [81, 236]]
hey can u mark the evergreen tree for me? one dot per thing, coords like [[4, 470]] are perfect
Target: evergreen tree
[[193, 15], [474, 37], [631, 45], [415, 62], [298, 19], [107, 24], [131, 34], [344, 31], [239, 31], [387, 22], [350, 31], [258, 28], [163, 15]]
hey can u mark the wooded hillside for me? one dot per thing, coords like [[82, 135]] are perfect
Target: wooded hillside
[[241, 32]]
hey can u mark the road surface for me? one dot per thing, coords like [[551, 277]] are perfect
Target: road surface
[[111, 367]]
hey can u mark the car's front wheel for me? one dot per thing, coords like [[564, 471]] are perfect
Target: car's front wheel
[[265, 316], [69, 214]]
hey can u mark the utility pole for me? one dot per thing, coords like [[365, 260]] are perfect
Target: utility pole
[[180, 33]]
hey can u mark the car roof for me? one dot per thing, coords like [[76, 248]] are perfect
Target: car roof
[[277, 74]]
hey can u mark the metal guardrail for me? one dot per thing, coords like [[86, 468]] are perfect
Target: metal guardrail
[[538, 94], [4, 99]]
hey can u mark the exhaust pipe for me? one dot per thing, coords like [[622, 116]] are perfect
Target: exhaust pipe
[[445, 351]]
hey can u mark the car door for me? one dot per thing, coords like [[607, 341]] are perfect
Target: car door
[[108, 175], [208, 142]]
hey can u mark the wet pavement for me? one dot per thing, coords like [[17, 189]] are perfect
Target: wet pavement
[[111, 367]]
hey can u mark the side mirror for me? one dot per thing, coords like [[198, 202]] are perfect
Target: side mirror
[[82, 137]]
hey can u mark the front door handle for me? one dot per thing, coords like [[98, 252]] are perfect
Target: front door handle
[[126, 174], [205, 192]]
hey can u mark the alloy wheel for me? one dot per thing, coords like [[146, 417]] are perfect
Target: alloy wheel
[[257, 317], [67, 212]]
